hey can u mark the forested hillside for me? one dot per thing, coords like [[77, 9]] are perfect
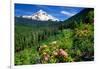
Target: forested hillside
[[71, 40]]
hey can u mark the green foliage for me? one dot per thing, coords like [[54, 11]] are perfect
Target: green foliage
[[65, 39], [27, 56], [51, 42], [84, 40]]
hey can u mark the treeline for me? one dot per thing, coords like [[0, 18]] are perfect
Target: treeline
[[28, 36]]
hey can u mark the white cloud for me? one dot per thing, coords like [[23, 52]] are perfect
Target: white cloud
[[67, 13]]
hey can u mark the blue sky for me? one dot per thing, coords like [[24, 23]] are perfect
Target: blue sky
[[60, 12]]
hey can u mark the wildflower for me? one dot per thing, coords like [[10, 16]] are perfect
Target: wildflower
[[55, 53], [44, 53], [63, 53], [46, 56]]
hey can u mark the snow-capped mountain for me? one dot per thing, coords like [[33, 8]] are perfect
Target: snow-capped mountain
[[41, 16]]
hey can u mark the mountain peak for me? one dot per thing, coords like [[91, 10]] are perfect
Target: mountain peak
[[41, 11], [42, 16]]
